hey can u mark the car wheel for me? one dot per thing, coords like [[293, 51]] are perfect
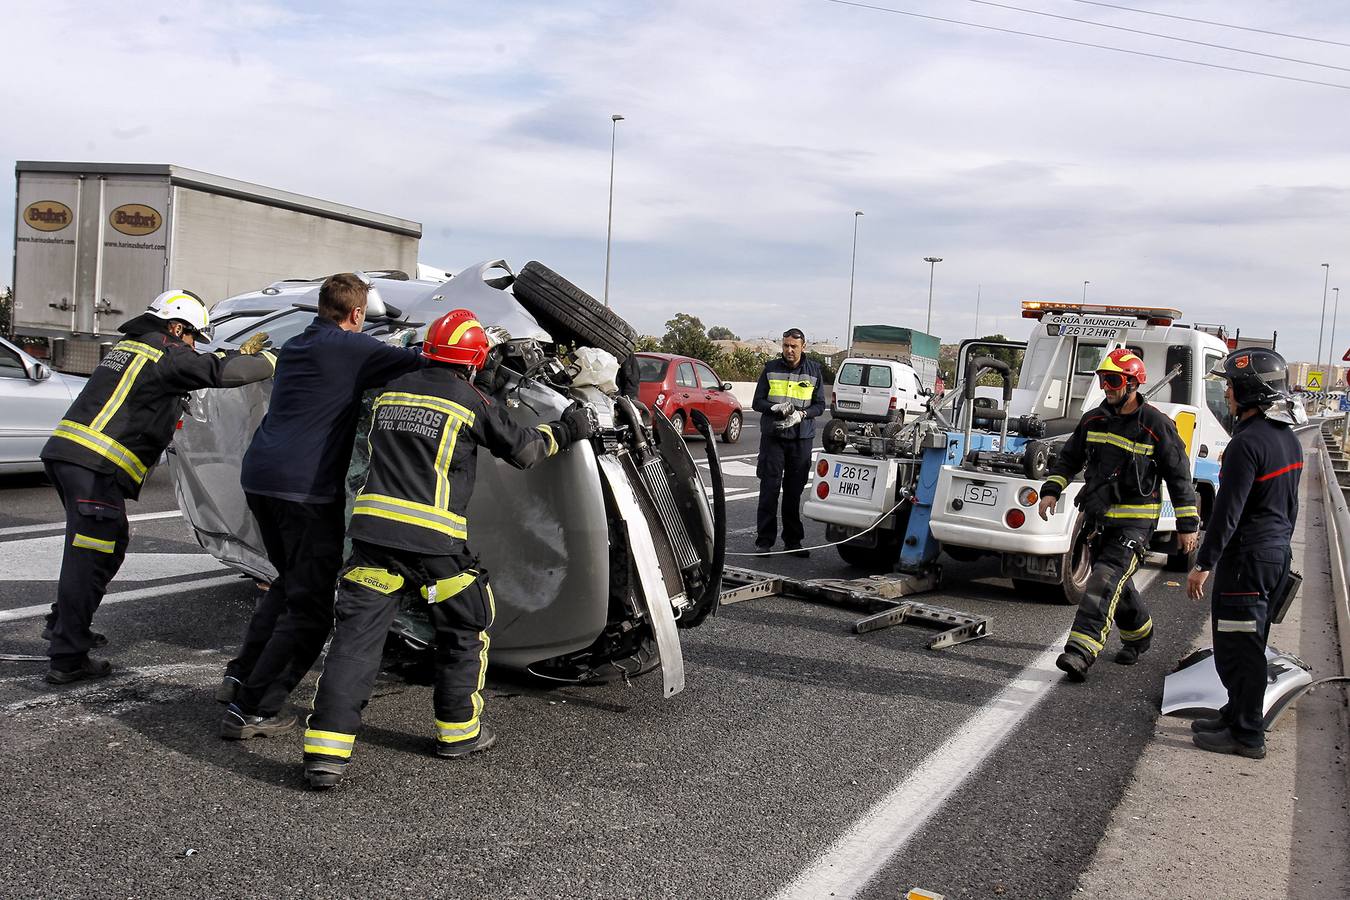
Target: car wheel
[[835, 436], [733, 432], [570, 314], [677, 421]]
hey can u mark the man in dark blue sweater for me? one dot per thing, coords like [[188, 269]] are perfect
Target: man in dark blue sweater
[[1247, 543], [294, 477]]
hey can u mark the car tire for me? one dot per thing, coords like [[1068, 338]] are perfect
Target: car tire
[[834, 437], [733, 431], [677, 421], [571, 315]]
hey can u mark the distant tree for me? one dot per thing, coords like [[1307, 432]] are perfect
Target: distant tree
[[686, 336], [825, 367], [648, 343], [7, 311], [742, 364], [721, 333], [947, 361]]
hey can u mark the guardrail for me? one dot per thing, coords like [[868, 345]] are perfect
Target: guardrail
[[1336, 494]]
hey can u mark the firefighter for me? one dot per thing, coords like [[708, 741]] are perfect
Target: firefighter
[[409, 540], [100, 454], [1247, 543], [1126, 447], [294, 477], [790, 395]]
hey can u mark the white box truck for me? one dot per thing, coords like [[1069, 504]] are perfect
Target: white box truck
[[95, 242]]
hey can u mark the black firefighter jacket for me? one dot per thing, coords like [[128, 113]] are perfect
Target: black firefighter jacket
[[127, 412], [424, 436], [1125, 458]]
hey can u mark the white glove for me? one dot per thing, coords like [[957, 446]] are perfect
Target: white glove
[[791, 419], [782, 409]]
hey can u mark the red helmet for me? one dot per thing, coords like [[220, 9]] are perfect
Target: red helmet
[[1125, 362], [457, 337]]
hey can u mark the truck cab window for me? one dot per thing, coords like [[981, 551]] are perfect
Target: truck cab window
[[1214, 394]]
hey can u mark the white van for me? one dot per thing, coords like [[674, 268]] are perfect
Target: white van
[[870, 395]]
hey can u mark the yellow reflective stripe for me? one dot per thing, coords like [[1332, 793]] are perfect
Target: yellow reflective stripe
[[1059, 480], [329, 743], [119, 394], [409, 512], [86, 542], [1185, 511], [461, 328], [444, 452], [795, 389], [103, 445], [445, 588], [1134, 511], [440, 404], [1085, 641], [457, 732], [1115, 597], [379, 580], [550, 437], [1115, 440], [1137, 634], [137, 347]]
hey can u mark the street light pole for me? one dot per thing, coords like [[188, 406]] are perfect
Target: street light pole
[[1327, 378], [978, 287], [852, 267], [932, 264], [1085, 284], [609, 227], [1322, 323]]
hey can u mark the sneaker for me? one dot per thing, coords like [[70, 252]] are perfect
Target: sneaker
[[324, 773], [798, 551], [237, 726], [1223, 742], [99, 640], [486, 738], [1204, 726], [90, 668], [1129, 654], [228, 689], [1075, 665]]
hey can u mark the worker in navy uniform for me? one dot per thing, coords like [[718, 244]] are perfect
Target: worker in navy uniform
[[294, 477], [1247, 542], [100, 454], [1125, 447], [790, 395], [409, 535]]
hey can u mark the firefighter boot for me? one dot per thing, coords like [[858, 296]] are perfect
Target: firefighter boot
[[324, 773], [1201, 726], [239, 726], [87, 668], [1129, 653], [1224, 742], [486, 738], [1074, 664]]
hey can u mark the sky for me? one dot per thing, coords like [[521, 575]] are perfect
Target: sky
[[752, 132]]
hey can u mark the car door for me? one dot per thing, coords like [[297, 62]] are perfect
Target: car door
[[715, 402], [29, 409], [686, 389]]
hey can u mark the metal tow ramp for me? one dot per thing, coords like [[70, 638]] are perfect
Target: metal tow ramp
[[878, 595]]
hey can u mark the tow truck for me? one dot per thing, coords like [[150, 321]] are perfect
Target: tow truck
[[965, 479]]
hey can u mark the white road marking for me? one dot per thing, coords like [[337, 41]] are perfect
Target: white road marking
[[39, 559], [61, 526], [724, 459], [861, 852], [159, 590]]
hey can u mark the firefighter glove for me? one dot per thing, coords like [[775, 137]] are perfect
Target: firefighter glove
[[580, 422], [254, 344], [783, 409], [792, 418]]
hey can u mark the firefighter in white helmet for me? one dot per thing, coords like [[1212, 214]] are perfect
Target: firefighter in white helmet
[[409, 534], [100, 454]]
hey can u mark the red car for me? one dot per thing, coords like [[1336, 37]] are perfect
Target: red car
[[677, 385]]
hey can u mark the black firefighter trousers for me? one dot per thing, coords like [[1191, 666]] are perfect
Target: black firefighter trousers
[[97, 535], [374, 583], [288, 628], [783, 465], [1111, 597], [1240, 606]]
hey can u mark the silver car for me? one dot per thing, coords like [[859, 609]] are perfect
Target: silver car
[[597, 556], [33, 399]]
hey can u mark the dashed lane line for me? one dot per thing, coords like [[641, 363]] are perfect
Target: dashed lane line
[[846, 868], [159, 590]]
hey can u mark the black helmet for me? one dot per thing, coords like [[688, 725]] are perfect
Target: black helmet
[[1259, 377]]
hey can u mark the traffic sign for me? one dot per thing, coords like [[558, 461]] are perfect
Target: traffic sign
[[1345, 403], [1346, 357], [1314, 380]]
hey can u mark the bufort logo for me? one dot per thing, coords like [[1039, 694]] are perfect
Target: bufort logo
[[47, 215], [135, 219]]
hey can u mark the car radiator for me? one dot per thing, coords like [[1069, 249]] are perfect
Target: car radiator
[[653, 473]]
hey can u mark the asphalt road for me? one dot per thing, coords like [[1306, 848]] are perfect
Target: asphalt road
[[976, 771]]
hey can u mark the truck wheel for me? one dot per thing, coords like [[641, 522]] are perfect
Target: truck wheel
[[834, 437], [1076, 566], [1182, 562], [570, 314], [881, 558], [1036, 460]]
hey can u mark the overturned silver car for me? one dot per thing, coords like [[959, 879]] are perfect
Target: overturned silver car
[[597, 556]]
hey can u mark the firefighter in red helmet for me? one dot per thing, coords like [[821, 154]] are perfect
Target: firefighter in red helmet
[[1125, 448], [409, 535]]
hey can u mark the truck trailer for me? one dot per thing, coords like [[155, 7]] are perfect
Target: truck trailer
[[95, 242]]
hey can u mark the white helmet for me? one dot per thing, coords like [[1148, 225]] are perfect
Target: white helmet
[[182, 306]]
